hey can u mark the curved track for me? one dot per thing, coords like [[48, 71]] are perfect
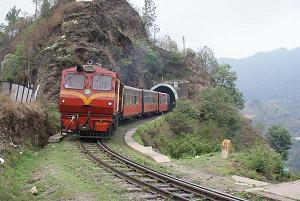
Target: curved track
[[159, 185]]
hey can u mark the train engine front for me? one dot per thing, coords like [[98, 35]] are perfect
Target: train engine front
[[90, 101]]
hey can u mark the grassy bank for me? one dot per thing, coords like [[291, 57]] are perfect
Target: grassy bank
[[257, 161], [59, 172]]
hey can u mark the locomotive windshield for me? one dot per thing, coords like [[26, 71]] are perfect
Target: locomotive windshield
[[74, 81], [102, 82]]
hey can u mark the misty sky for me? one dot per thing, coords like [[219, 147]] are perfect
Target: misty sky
[[232, 28]]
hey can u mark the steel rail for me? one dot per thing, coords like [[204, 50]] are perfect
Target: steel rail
[[145, 186], [181, 184]]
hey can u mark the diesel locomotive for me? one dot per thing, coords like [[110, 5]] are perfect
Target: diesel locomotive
[[93, 100]]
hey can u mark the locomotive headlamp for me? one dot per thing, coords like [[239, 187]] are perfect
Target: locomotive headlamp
[[87, 92], [89, 68], [110, 103]]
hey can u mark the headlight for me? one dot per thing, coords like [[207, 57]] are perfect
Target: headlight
[[87, 92], [110, 103]]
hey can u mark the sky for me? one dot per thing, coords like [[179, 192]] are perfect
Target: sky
[[231, 28]]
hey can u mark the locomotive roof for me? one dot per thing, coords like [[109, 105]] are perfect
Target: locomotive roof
[[98, 69]]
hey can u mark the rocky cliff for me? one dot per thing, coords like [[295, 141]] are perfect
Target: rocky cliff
[[101, 31], [108, 32]]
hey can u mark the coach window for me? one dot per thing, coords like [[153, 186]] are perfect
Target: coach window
[[102, 82], [135, 100], [126, 99], [74, 81]]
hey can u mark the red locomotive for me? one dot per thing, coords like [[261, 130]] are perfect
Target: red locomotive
[[94, 99]]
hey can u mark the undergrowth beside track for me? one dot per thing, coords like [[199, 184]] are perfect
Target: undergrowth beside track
[[59, 172], [250, 155]]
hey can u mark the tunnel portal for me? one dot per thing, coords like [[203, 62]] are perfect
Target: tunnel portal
[[168, 89]]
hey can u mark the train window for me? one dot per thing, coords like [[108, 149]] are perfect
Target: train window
[[102, 82], [135, 100], [126, 99], [74, 81]]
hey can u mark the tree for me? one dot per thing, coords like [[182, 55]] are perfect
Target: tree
[[45, 9], [37, 4], [149, 15], [167, 43], [12, 67], [279, 139], [2, 27], [216, 105], [207, 59], [155, 29], [12, 18], [225, 77]]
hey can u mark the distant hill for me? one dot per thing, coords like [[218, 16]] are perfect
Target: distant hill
[[273, 75], [266, 113], [270, 82]]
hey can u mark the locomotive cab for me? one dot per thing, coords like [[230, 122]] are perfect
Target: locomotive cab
[[90, 100]]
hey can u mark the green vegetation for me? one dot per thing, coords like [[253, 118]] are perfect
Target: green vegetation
[[225, 77], [149, 17], [151, 59], [198, 126], [261, 161], [12, 67], [280, 140], [55, 177], [217, 105], [52, 118]]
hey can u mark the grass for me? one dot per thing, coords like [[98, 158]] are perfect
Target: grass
[[209, 163], [59, 172], [118, 144], [137, 137]]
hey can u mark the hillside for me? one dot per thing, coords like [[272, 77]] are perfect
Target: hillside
[[270, 76], [268, 113], [270, 83], [110, 33]]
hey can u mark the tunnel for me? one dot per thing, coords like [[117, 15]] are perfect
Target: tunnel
[[168, 89]]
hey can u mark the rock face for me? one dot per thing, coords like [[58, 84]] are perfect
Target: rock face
[[107, 32], [103, 31]]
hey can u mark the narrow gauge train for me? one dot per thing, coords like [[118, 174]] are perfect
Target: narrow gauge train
[[93, 100]]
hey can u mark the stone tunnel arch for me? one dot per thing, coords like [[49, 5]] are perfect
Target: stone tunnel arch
[[168, 89]]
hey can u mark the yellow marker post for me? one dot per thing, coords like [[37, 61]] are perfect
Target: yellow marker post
[[226, 145]]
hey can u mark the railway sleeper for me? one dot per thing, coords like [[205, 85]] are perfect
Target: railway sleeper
[[185, 195], [136, 174], [162, 185], [125, 169], [170, 189], [149, 197], [134, 189], [148, 180]]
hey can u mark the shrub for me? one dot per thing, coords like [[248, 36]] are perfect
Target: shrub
[[210, 131], [183, 118], [263, 160], [279, 139], [225, 77], [52, 119], [159, 135], [248, 137], [21, 123], [215, 105], [190, 146], [13, 65]]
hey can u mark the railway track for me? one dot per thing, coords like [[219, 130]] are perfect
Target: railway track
[[158, 186]]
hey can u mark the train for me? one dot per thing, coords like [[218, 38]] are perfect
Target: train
[[93, 100]]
